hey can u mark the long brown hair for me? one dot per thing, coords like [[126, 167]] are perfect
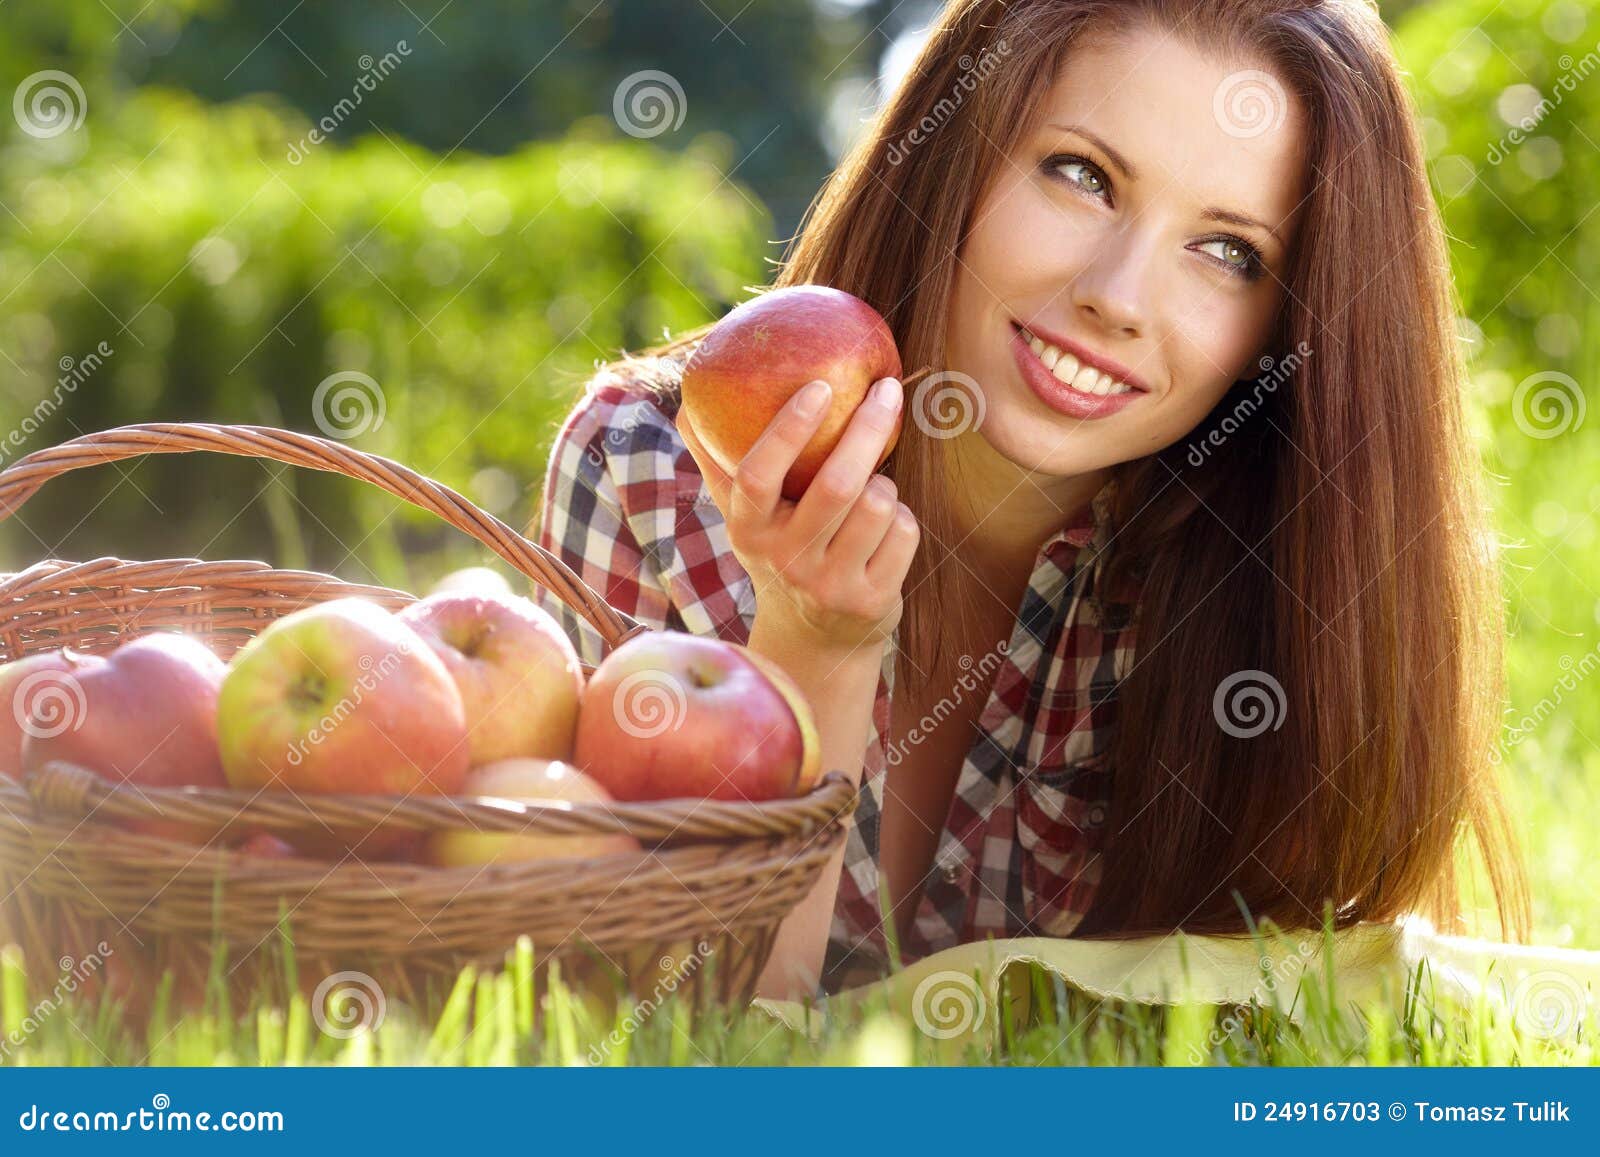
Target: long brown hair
[[1320, 539]]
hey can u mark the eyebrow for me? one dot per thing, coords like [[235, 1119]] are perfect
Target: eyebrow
[[1227, 216]]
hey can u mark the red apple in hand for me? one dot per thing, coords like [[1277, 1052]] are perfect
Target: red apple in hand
[[145, 715], [671, 714], [523, 780], [758, 356], [342, 697], [26, 683], [517, 672]]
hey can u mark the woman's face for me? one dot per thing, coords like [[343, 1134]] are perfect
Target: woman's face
[[1146, 224]]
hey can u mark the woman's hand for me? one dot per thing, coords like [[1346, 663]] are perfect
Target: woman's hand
[[828, 569]]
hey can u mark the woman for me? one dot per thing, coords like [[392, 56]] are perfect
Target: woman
[[1179, 264]]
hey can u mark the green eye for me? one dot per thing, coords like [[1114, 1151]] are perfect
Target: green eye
[[1236, 255], [1093, 180]]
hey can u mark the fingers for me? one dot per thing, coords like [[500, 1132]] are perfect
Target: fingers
[[758, 481], [889, 563], [832, 493], [864, 527]]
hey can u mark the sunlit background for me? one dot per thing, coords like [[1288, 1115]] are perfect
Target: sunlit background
[[417, 225]]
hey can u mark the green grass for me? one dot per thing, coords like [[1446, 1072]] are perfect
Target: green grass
[[505, 1017]]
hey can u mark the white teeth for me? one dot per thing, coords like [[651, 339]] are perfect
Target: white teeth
[[1067, 369]]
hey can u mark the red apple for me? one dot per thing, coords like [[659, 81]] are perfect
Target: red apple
[[342, 697], [517, 672], [758, 356], [526, 779], [268, 847], [145, 714], [669, 714], [32, 680]]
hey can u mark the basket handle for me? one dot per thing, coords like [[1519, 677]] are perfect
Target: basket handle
[[21, 479]]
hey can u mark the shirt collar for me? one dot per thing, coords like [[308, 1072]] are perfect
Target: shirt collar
[[1088, 527]]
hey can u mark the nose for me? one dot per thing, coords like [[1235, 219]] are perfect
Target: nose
[[1110, 291]]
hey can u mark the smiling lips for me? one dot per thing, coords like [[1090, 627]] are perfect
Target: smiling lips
[[1064, 383]]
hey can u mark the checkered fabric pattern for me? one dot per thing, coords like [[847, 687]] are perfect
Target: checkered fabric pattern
[[625, 506]]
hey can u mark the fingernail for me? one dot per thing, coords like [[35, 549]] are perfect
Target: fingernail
[[887, 393], [813, 398]]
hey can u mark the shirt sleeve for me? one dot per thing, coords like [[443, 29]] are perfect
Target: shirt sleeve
[[582, 522]]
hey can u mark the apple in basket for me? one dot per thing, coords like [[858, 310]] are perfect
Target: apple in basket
[[22, 682], [517, 672], [342, 697], [543, 780], [672, 714], [757, 357], [145, 715]]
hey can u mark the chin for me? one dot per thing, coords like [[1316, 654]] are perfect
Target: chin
[[1045, 444]]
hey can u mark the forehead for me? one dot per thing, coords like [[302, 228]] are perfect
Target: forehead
[[1211, 128]]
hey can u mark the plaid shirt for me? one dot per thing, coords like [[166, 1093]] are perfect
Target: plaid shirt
[[625, 506]]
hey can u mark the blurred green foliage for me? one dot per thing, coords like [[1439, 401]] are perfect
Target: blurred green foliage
[[1510, 95], [228, 283]]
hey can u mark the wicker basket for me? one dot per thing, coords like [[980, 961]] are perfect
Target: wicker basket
[[697, 909]]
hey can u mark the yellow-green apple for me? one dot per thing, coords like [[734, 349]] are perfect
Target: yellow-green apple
[[146, 714], [757, 357], [32, 682], [517, 671], [542, 780], [670, 714], [472, 578], [342, 697]]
